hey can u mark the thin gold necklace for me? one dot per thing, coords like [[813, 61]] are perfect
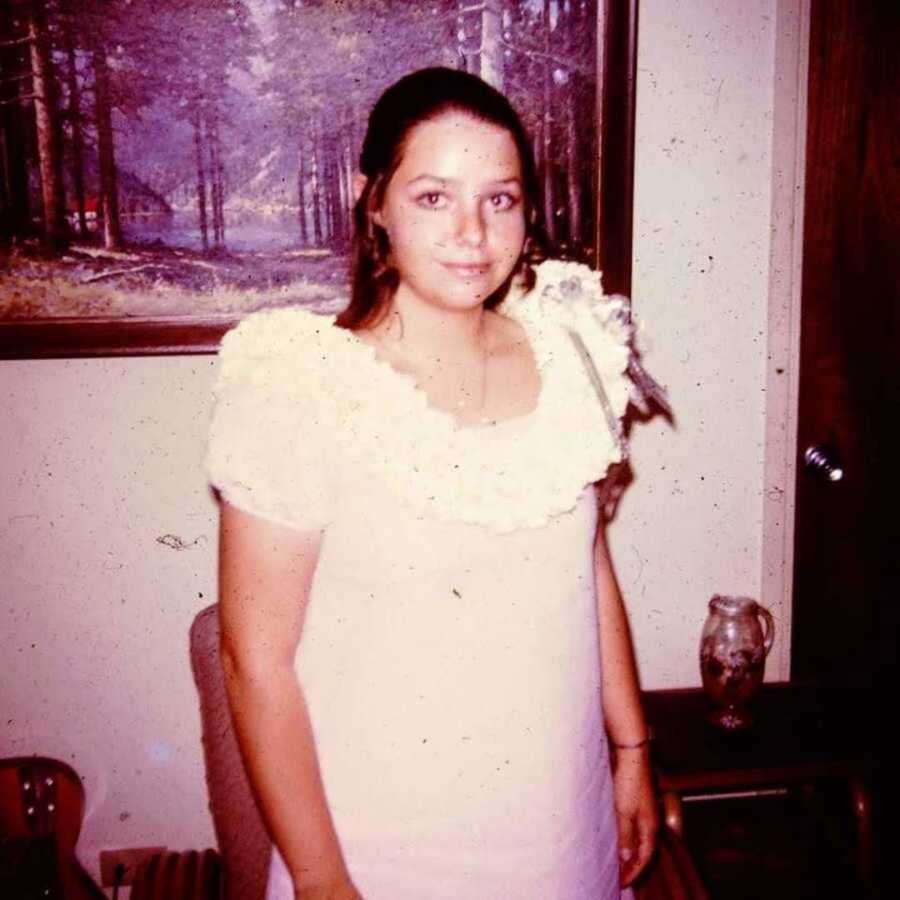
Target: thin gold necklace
[[482, 394]]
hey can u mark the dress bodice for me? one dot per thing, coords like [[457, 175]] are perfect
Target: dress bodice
[[307, 413]]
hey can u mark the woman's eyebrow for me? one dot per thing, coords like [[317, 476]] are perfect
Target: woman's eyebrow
[[426, 177]]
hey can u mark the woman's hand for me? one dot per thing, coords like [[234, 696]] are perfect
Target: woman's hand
[[636, 812]]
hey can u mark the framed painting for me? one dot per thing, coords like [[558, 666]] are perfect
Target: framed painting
[[166, 168]]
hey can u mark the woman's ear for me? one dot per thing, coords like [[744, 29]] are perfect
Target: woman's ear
[[359, 184]]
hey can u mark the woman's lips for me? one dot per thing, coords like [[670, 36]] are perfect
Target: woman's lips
[[468, 271]]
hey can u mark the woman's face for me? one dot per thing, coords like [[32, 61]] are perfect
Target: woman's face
[[454, 211]]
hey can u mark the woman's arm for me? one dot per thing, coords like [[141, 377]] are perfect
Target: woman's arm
[[265, 573], [635, 799]]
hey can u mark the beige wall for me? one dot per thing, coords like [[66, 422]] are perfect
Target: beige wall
[[718, 124], [101, 458], [100, 462]]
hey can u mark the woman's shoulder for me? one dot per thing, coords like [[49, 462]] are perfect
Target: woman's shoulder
[[568, 299], [568, 310], [569, 296], [277, 342]]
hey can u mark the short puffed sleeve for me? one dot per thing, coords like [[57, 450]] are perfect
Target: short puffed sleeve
[[266, 451]]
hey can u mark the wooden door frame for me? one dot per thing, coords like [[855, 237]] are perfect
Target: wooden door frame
[[782, 381]]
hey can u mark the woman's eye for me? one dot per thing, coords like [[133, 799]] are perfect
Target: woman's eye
[[504, 201], [430, 199]]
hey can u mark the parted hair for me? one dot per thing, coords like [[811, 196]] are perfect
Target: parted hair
[[422, 96]]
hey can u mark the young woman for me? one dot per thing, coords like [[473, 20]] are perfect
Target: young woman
[[426, 651]]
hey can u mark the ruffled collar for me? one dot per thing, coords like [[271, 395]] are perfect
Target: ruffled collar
[[418, 400], [518, 473]]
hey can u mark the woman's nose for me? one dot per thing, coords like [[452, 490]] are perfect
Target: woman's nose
[[470, 224]]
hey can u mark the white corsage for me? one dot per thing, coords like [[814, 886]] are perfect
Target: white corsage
[[571, 292]]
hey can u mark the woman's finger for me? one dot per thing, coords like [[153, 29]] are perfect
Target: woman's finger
[[627, 847], [628, 872], [636, 854], [646, 843]]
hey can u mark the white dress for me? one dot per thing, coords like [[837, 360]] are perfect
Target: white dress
[[450, 656]]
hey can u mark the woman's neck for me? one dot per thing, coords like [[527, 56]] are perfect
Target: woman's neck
[[430, 333]]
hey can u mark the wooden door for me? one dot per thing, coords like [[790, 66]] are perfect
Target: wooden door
[[847, 531], [847, 543]]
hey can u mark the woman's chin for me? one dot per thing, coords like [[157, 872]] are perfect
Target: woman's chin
[[468, 292], [465, 300]]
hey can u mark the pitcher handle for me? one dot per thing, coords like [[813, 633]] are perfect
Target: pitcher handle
[[768, 628]]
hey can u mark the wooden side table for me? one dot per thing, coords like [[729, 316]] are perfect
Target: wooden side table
[[802, 734]]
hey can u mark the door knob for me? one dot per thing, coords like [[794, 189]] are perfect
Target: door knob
[[823, 460]]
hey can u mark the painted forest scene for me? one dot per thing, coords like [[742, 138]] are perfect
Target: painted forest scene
[[195, 157]]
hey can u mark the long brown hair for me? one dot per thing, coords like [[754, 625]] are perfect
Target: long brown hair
[[420, 97]]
